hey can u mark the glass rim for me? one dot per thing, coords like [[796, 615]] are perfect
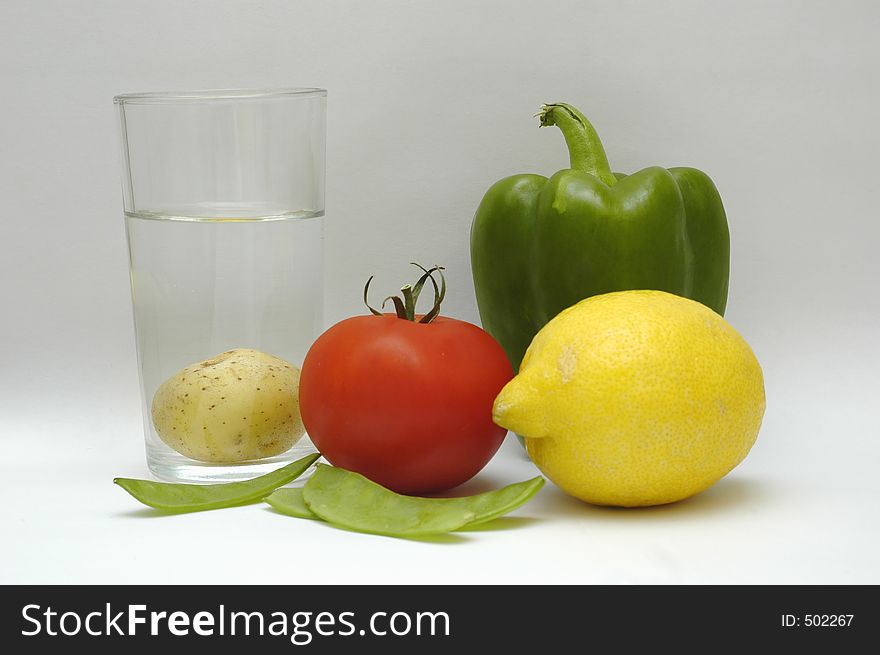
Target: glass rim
[[208, 95]]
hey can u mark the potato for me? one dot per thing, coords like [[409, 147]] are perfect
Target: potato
[[240, 405]]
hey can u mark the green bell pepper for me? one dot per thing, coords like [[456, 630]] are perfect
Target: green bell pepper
[[540, 245]]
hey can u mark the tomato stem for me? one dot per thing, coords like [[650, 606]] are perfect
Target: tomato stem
[[405, 308], [367, 302]]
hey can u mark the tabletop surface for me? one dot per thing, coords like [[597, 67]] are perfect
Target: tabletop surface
[[429, 104], [811, 520]]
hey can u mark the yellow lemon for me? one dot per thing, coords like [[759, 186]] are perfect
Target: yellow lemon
[[635, 398]]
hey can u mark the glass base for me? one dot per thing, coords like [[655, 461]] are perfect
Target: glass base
[[170, 466]]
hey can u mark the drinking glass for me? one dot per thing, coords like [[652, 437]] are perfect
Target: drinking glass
[[223, 193]]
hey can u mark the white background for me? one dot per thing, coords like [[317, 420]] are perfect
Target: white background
[[429, 103]]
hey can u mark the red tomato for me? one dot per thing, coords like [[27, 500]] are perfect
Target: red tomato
[[406, 404]]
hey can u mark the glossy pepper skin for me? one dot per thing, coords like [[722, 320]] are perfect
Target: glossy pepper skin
[[540, 245]]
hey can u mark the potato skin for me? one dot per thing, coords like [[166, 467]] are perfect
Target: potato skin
[[240, 405]]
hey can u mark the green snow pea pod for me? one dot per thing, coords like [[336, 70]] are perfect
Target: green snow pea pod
[[181, 498], [494, 504], [352, 501], [291, 503]]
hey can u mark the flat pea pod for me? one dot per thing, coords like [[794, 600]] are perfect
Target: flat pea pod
[[290, 502], [349, 500], [180, 498], [491, 505]]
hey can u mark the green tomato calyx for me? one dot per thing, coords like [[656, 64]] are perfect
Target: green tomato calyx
[[405, 307]]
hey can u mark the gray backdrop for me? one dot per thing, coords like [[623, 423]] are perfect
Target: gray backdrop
[[429, 104]]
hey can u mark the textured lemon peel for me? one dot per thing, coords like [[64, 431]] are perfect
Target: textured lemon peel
[[642, 398]]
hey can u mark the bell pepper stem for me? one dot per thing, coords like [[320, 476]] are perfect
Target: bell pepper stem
[[584, 146]]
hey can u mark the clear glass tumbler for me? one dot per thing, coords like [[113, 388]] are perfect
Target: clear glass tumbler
[[224, 204]]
